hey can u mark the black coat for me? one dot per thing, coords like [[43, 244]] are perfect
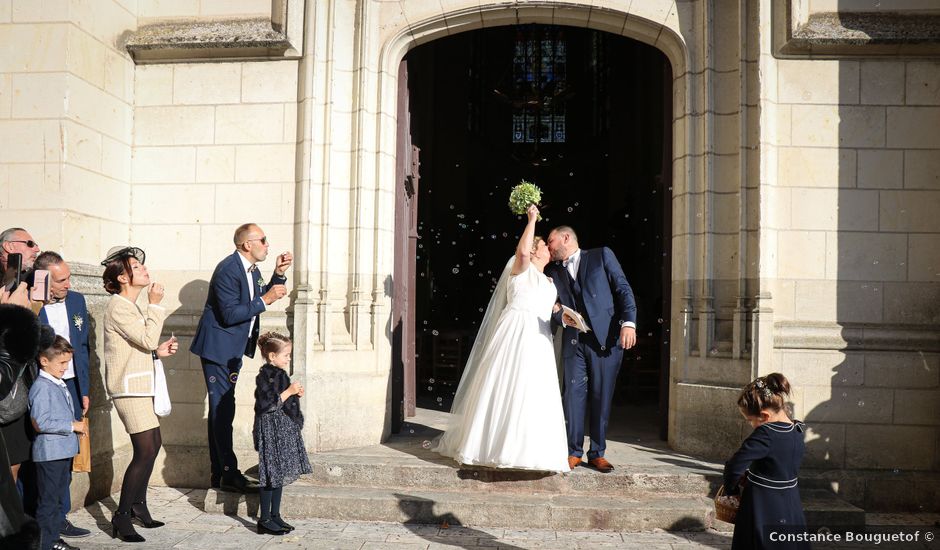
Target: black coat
[[269, 384], [770, 460]]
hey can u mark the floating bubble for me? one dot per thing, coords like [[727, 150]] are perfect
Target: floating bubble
[[452, 207], [570, 209], [576, 204], [426, 444], [430, 380], [435, 332], [456, 270], [861, 403], [412, 431], [439, 399], [430, 388], [660, 320]]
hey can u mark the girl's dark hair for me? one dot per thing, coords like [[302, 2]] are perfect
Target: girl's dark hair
[[272, 342], [59, 346], [115, 269], [766, 392]]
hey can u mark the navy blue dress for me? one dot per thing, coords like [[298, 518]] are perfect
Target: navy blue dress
[[769, 460]]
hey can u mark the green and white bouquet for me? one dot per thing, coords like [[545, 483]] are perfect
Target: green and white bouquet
[[522, 196]]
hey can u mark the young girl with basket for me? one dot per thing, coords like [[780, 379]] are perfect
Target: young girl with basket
[[282, 457], [766, 467]]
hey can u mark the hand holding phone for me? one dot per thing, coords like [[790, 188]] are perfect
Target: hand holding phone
[[39, 292], [14, 271]]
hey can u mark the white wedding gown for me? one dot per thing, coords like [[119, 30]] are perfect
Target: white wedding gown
[[508, 412]]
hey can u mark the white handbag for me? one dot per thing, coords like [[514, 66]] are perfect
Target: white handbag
[[161, 395]]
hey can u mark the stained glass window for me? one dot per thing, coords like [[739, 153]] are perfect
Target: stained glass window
[[539, 76]]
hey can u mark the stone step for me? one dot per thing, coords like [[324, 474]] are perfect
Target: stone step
[[535, 511], [436, 474], [532, 511]]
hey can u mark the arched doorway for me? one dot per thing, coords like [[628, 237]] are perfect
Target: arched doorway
[[587, 116]]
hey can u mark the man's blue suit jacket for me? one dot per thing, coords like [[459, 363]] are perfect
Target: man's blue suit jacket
[[223, 332], [76, 309], [608, 298]]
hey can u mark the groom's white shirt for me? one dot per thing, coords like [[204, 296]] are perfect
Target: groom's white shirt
[[571, 264]]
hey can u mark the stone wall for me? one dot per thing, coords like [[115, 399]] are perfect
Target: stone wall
[[214, 147], [852, 191], [151, 11], [66, 96]]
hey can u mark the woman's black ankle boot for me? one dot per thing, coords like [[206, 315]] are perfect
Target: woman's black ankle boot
[[122, 528], [140, 512]]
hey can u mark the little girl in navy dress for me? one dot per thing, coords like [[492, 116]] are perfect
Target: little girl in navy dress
[[766, 468], [282, 457]]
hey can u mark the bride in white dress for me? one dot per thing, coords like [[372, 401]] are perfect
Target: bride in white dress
[[507, 411]]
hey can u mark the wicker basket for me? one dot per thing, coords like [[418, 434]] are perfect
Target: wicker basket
[[724, 511]]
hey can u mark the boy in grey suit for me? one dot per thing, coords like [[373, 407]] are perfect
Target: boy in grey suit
[[53, 416]]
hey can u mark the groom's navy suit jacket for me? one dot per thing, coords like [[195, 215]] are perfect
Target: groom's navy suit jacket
[[223, 332], [606, 297]]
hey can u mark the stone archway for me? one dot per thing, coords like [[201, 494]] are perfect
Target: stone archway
[[664, 39], [346, 206]]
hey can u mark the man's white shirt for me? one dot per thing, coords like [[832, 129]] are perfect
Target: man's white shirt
[[246, 266], [58, 318]]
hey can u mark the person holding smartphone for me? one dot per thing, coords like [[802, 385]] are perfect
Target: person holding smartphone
[[17, 240], [65, 311]]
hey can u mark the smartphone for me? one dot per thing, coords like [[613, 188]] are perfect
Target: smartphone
[[39, 292], [14, 272]]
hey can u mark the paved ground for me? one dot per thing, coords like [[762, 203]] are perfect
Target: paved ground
[[189, 527]]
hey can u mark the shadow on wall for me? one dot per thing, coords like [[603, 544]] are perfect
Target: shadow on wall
[[873, 228], [101, 479], [186, 454]]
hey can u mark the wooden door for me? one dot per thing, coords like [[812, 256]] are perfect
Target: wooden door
[[406, 246]]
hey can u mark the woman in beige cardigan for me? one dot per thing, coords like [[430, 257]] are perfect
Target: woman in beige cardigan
[[131, 341]]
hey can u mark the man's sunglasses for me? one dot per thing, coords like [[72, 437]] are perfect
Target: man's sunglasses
[[264, 240], [29, 244]]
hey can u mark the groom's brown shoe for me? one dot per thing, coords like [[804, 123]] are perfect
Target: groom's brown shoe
[[601, 465], [573, 461]]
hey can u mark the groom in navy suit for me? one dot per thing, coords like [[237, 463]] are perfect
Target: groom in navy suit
[[592, 283], [228, 330]]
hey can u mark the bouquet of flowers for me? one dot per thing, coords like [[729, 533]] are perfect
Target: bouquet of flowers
[[522, 196]]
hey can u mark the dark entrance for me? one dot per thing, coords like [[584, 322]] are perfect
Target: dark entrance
[[586, 116]]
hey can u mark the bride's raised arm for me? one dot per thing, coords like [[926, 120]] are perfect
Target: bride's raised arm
[[524, 248]]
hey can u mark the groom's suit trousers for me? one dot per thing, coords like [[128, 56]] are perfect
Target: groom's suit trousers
[[590, 378]]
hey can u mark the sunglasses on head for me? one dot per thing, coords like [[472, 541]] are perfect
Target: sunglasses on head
[[29, 244]]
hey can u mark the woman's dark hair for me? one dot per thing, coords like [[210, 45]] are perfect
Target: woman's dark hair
[[115, 269], [59, 346], [766, 392], [272, 342]]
